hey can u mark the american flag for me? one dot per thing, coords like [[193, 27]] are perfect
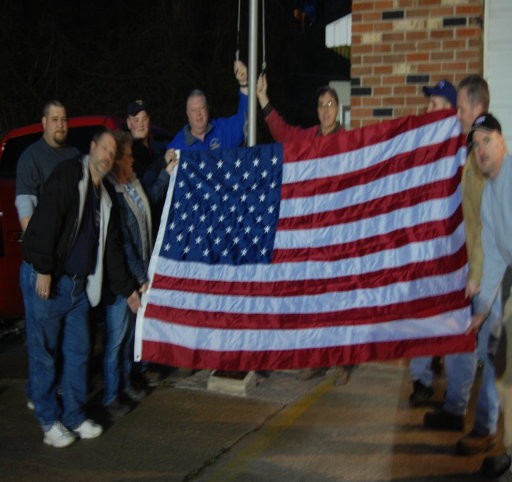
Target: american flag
[[340, 250]]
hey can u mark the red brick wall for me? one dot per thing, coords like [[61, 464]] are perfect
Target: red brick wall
[[398, 46]]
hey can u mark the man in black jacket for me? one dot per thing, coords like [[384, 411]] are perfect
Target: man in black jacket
[[71, 239]]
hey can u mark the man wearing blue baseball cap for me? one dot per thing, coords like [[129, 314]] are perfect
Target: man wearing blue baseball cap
[[443, 95]]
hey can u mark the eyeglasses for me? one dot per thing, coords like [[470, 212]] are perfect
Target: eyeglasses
[[326, 105]]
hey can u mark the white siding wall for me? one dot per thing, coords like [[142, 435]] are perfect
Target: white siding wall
[[498, 61]]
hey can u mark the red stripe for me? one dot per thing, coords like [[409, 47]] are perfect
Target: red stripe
[[375, 207], [373, 244], [308, 287], [346, 141], [420, 308], [400, 163], [179, 356]]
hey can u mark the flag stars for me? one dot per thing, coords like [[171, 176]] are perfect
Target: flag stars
[[243, 197], [247, 229], [263, 251], [177, 204], [227, 175], [217, 240], [225, 198], [202, 218], [209, 176], [202, 165], [264, 174], [245, 176], [218, 187], [238, 163], [184, 165], [209, 230], [206, 196], [172, 226], [195, 207], [214, 207], [266, 229], [186, 250], [274, 160], [184, 216], [199, 240], [188, 195], [256, 162], [206, 252], [191, 228], [167, 247], [262, 198], [180, 237], [255, 240], [219, 164], [243, 252]]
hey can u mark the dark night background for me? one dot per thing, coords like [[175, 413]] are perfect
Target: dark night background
[[96, 56]]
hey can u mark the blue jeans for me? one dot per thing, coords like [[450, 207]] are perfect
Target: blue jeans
[[117, 360], [28, 304], [59, 327], [460, 373], [421, 369]]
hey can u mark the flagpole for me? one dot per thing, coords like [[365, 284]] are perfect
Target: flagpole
[[253, 58]]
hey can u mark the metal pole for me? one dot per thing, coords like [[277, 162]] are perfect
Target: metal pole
[[253, 58]]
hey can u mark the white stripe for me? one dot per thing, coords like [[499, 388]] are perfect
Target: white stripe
[[445, 168], [366, 297], [374, 154], [223, 340], [431, 210], [382, 260]]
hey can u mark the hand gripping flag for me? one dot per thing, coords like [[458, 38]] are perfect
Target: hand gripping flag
[[340, 250]]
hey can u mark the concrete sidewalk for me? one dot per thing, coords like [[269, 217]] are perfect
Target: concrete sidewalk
[[284, 430]]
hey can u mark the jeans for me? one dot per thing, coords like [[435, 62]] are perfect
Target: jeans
[[28, 304], [117, 360], [59, 327], [421, 369], [460, 373]]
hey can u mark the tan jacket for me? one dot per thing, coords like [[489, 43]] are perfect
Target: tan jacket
[[473, 183]]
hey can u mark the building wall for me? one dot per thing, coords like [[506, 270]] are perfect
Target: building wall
[[398, 46]]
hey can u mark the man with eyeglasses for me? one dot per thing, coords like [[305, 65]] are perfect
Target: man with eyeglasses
[[327, 110]]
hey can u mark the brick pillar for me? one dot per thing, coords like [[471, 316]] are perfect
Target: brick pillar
[[398, 46]]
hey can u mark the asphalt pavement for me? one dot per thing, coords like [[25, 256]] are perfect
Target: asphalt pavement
[[282, 430]]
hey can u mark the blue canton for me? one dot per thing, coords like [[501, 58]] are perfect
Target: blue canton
[[225, 206]]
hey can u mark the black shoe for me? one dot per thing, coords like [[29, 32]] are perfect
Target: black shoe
[[442, 420], [117, 409], [420, 394], [495, 465]]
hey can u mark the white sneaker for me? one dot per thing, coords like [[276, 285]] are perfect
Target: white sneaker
[[58, 436], [88, 429]]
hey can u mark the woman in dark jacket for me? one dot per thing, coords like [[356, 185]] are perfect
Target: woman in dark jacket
[[133, 202]]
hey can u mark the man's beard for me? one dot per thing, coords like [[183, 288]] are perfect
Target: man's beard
[[60, 139]]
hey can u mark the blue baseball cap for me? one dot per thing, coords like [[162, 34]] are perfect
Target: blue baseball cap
[[443, 89]]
